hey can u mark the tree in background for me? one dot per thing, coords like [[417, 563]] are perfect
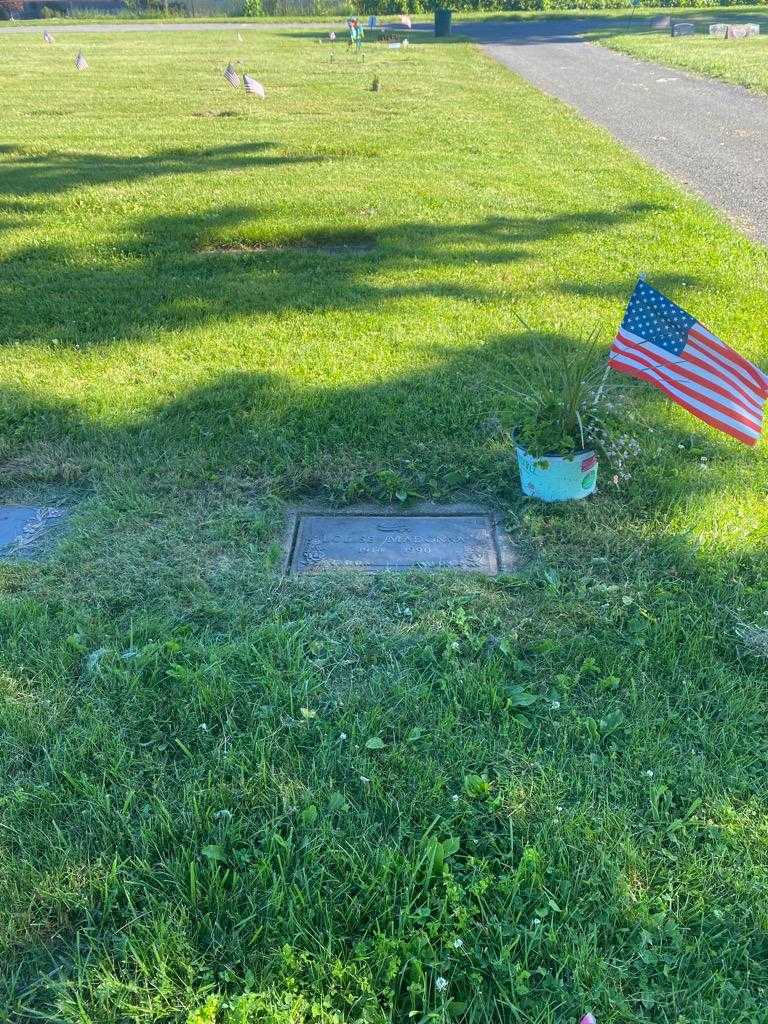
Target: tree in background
[[11, 9]]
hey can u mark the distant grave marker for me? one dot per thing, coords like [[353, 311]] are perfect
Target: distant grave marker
[[742, 31], [22, 527], [726, 30], [365, 542], [683, 28]]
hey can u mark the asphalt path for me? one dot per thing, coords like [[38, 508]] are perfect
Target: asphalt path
[[710, 136]]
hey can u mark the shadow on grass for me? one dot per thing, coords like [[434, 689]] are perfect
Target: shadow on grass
[[178, 501], [164, 279], [55, 172], [175, 495], [435, 434]]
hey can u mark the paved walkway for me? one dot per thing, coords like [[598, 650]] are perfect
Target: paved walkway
[[711, 136]]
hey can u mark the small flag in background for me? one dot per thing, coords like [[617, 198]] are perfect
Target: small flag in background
[[232, 76], [80, 62], [253, 87], [405, 19], [332, 36], [47, 37], [660, 343]]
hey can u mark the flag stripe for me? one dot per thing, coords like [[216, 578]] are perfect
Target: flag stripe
[[755, 374], [662, 344], [714, 353], [253, 87], [692, 403], [690, 369], [702, 359], [725, 408], [699, 357], [737, 432]]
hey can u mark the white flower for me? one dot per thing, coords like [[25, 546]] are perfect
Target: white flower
[[559, 810], [555, 705], [649, 773], [441, 984], [342, 735], [223, 814], [536, 922], [203, 727], [455, 798], [458, 943], [364, 779]]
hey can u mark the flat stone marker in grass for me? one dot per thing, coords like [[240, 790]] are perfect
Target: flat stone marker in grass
[[683, 28], [742, 31], [393, 543], [725, 30], [23, 527]]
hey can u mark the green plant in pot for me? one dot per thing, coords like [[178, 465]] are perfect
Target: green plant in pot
[[565, 419]]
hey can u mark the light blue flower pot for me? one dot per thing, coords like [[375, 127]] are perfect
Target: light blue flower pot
[[557, 477]]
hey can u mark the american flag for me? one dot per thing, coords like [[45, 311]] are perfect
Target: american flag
[[47, 37], [232, 76], [254, 87], [660, 343], [80, 62]]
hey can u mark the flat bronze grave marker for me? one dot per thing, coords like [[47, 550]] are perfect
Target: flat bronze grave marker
[[23, 526], [394, 543]]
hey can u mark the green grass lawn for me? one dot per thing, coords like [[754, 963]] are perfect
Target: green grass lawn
[[233, 796], [741, 61]]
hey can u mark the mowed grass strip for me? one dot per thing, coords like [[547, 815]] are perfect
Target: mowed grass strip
[[230, 796], [740, 61]]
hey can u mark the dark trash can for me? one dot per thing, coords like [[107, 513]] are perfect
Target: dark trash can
[[442, 21]]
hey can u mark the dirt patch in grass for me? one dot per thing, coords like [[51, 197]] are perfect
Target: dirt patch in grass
[[338, 244], [217, 113], [47, 460]]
